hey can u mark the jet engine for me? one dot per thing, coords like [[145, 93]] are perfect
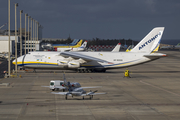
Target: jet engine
[[63, 63], [73, 64]]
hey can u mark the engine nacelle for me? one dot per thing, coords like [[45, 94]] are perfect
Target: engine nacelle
[[63, 63], [73, 64]]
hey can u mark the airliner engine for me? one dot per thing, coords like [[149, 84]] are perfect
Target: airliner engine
[[63, 63], [73, 64], [69, 64]]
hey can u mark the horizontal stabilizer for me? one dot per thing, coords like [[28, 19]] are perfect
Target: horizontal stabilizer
[[155, 55]]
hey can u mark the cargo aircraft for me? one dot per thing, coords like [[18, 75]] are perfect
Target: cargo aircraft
[[144, 51]]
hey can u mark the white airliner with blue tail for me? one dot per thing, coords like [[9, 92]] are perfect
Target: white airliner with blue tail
[[144, 51], [81, 48]]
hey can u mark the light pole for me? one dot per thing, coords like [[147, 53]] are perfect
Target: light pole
[[28, 32], [25, 32], [21, 11], [9, 65], [16, 4], [37, 32], [31, 34]]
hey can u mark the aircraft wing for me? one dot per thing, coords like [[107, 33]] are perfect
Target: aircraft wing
[[76, 92], [76, 55], [45, 86], [61, 93], [56, 87], [98, 93], [91, 87], [88, 94]]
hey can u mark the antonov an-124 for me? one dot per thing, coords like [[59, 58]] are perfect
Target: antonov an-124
[[144, 51]]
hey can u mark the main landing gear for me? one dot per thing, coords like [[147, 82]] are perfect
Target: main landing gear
[[90, 70]]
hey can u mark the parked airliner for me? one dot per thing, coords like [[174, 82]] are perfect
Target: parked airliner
[[81, 48], [144, 51]]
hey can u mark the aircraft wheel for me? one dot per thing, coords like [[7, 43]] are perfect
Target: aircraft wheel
[[66, 97], [90, 97], [63, 90], [83, 97], [88, 70], [53, 89]]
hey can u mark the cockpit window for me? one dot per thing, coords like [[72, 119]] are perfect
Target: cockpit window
[[51, 83]]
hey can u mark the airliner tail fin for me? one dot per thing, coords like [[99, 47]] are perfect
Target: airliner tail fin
[[117, 48], [150, 43]]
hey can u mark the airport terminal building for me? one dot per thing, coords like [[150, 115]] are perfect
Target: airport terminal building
[[32, 43]]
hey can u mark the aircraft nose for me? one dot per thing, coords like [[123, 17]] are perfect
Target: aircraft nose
[[19, 60]]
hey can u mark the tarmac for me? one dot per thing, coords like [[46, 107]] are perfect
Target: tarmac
[[152, 93]]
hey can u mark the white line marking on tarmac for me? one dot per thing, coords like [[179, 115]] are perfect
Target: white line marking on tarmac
[[159, 88]]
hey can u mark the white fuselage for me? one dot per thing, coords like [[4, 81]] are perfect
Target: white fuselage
[[50, 60]]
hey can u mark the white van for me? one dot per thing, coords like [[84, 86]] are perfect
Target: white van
[[55, 84]]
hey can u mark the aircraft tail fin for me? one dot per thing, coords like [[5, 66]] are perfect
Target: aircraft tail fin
[[117, 48], [178, 44], [150, 43], [84, 44], [79, 43]]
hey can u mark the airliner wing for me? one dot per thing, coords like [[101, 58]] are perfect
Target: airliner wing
[[84, 57]]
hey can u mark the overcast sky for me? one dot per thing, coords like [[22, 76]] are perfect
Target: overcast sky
[[105, 19]]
